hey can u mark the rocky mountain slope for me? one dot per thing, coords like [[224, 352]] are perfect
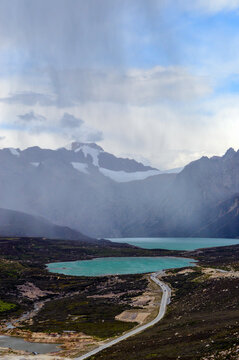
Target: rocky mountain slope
[[196, 198], [96, 193], [75, 186], [84, 157], [223, 220]]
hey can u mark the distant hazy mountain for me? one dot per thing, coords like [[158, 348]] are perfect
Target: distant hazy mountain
[[80, 186], [223, 220], [195, 197], [16, 223], [96, 193]]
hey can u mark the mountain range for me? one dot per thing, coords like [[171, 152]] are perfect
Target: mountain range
[[84, 188]]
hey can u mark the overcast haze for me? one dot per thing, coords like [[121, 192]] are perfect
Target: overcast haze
[[150, 79]]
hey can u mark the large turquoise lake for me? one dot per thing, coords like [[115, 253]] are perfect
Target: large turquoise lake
[[176, 243], [118, 265], [136, 265]]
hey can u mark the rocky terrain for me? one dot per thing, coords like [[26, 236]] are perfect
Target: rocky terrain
[[201, 321], [77, 312]]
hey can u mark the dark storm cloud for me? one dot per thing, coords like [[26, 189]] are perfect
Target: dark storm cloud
[[29, 98], [68, 125], [31, 116], [70, 121]]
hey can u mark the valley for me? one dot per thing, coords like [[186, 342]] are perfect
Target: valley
[[119, 180], [81, 312], [75, 307], [76, 312]]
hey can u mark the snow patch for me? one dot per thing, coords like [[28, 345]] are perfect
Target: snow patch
[[94, 153], [123, 176], [80, 167], [14, 152]]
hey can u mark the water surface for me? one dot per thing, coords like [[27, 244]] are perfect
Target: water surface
[[118, 265], [20, 344], [176, 243]]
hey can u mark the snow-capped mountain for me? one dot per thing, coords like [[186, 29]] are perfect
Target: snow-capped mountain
[[87, 189], [117, 169], [80, 186], [88, 157]]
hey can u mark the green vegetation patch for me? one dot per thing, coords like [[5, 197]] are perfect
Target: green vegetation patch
[[5, 306], [11, 269], [95, 317]]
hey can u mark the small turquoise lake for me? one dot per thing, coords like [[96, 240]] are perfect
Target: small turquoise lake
[[176, 243], [118, 265]]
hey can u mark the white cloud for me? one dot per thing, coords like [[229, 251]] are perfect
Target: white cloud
[[155, 114], [80, 59], [134, 87], [169, 136]]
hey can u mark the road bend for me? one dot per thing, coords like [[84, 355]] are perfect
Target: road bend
[[165, 300]]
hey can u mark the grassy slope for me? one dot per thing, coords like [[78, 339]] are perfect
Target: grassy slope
[[22, 261], [202, 320]]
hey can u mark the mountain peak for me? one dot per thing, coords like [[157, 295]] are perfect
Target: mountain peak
[[229, 153], [76, 145]]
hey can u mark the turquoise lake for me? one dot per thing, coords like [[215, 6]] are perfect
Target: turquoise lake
[[118, 265], [136, 265], [176, 243]]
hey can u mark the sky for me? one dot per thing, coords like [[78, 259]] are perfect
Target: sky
[[156, 80]]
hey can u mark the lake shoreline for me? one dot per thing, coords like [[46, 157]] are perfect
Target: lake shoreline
[[175, 244], [110, 266]]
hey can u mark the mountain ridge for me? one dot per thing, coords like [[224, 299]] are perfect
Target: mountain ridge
[[69, 188], [19, 224], [89, 154]]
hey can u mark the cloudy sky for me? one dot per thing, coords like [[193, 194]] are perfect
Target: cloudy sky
[[157, 80]]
